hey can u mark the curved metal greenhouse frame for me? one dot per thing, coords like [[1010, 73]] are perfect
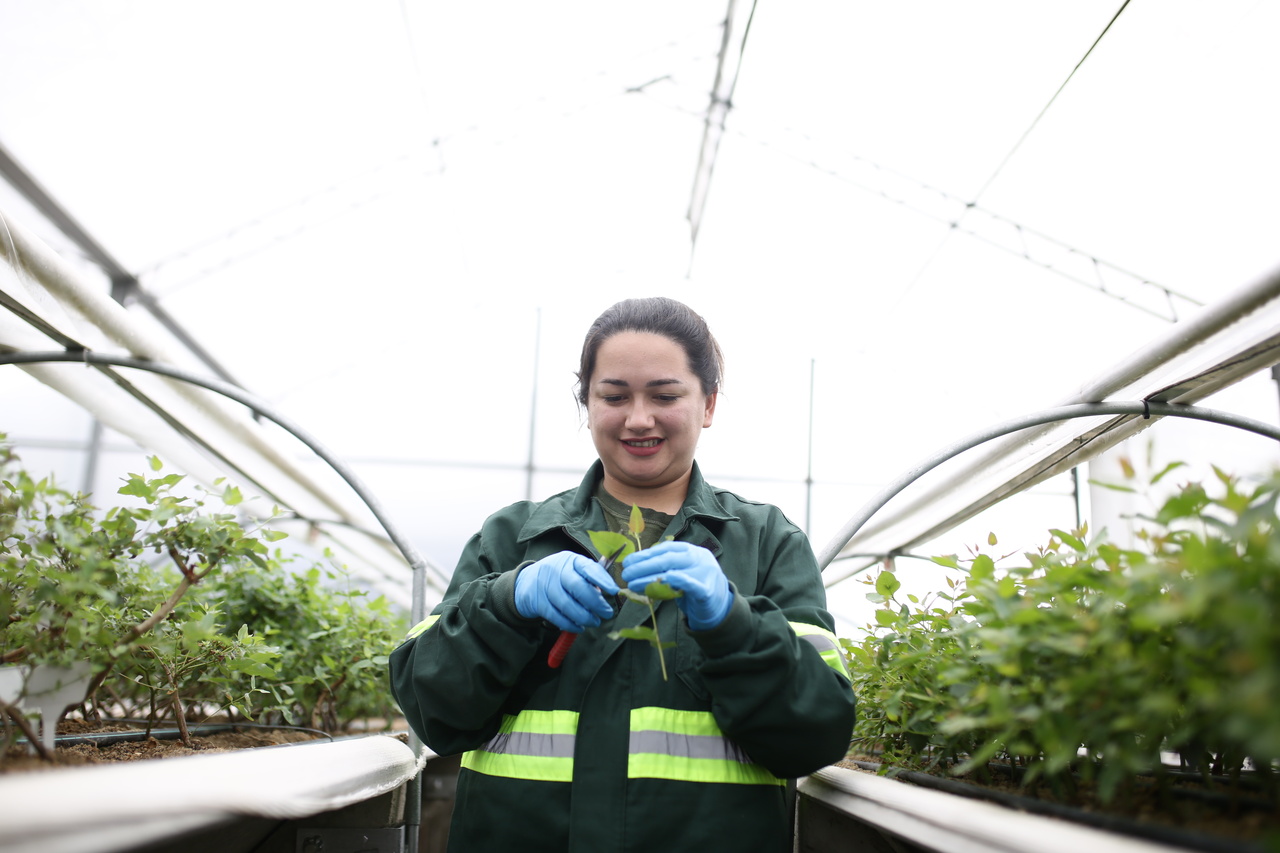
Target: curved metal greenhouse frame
[[1145, 408]]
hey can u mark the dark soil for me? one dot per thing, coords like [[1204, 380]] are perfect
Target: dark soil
[[1187, 819], [20, 759]]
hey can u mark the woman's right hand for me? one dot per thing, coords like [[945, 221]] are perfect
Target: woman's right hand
[[566, 590]]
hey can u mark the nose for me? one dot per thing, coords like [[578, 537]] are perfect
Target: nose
[[639, 417]]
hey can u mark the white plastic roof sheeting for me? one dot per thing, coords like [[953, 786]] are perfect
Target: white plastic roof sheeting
[[202, 433], [1219, 347], [395, 220]]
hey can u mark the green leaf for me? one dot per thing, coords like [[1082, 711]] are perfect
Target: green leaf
[[659, 591], [1172, 466], [640, 633], [155, 462], [1115, 487], [983, 567], [606, 542], [887, 584], [636, 523], [231, 496], [137, 487], [1066, 537]]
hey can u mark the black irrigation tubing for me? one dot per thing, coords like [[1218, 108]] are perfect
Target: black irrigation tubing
[[1178, 837], [195, 729], [1146, 408], [241, 724], [108, 738]]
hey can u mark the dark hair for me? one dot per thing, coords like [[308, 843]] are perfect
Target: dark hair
[[661, 316]]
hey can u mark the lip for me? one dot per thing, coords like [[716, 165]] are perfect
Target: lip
[[634, 449]]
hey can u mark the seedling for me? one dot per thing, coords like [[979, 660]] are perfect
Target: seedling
[[606, 542]]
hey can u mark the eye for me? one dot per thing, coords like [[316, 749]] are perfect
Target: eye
[[667, 398], [613, 398]]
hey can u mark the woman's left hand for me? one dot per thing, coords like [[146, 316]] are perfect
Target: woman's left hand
[[689, 568]]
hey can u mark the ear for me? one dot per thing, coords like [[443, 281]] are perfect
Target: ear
[[711, 409]]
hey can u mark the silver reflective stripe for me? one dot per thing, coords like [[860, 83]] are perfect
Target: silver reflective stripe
[[531, 743], [536, 745], [825, 642], [687, 746], [821, 642]]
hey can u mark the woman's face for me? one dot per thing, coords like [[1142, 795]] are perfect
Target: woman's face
[[646, 409]]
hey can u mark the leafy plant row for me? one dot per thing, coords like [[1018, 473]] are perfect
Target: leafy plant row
[[1081, 663], [182, 610]]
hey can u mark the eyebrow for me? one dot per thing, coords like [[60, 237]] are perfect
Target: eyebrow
[[653, 383]]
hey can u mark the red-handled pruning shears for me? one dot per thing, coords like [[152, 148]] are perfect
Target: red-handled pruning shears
[[566, 638]]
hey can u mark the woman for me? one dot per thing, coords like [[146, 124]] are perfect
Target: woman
[[602, 754]]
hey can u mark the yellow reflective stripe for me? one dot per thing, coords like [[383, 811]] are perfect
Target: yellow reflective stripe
[[688, 746], [671, 720], [649, 766], [421, 626], [825, 642], [531, 767], [542, 722], [535, 745]]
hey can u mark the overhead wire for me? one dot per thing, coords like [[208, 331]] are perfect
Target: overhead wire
[[1009, 155], [1026, 252], [1036, 121], [1171, 299]]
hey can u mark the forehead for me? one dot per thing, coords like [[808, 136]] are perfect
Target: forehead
[[641, 353]]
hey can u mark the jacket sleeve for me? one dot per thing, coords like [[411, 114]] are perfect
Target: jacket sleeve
[[777, 679], [453, 680]]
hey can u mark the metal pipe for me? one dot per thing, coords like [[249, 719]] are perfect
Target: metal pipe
[[808, 477], [1081, 410]]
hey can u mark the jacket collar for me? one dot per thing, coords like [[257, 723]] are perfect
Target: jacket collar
[[576, 512]]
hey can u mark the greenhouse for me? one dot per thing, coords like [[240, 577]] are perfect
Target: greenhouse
[[293, 299]]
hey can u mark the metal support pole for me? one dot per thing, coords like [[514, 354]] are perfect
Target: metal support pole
[[808, 477], [533, 408], [1076, 496], [1275, 375]]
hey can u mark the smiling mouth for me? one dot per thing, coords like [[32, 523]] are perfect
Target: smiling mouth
[[642, 442]]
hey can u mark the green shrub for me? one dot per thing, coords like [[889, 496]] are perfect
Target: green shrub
[[181, 609], [1086, 660], [333, 642]]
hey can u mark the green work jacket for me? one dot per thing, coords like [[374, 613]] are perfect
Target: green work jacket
[[603, 754]]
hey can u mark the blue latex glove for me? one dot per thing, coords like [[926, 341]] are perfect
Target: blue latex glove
[[686, 567], [565, 589]]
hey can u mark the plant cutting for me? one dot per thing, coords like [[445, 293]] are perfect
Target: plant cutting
[[1078, 666], [618, 544]]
